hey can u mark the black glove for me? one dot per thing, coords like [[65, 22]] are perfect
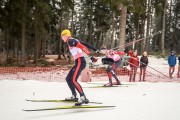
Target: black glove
[[107, 61], [93, 59], [97, 51]]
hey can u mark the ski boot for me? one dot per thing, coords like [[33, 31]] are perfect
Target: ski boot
[[72, 98], [108, 84], [117, 83], [83, 100]]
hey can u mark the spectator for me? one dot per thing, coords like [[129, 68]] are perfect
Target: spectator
[[172, 63], [130, 53], [134, 64], [143, 65], [178, 74]]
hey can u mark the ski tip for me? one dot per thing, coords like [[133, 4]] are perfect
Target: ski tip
[[28, 100], [25, 110]]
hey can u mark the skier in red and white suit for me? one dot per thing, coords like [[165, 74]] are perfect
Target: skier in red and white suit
[[113, 60]]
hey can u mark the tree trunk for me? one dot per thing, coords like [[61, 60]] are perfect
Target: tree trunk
[[147, 29], [113, 30], [163, 30], [90, 27], [44, 43], [36, 42], [136, 45], [123, 27], [23, 28], [60, 41], [23, 37]]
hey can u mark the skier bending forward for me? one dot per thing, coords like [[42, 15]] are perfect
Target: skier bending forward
[[76, 48], [113, 60]]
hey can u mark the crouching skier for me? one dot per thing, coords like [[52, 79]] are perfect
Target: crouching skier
[[76, 48], [113, 60]]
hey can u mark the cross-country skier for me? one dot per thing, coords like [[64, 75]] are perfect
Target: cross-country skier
[[76, 48], [113, 60]]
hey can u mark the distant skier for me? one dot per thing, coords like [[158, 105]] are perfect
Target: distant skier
[[178, 74], [143, 64], [113, 60], [134, 64], [76, 48], [172, 63]]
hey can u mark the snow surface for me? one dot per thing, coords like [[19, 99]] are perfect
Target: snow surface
[[137, 101], [134, 101]]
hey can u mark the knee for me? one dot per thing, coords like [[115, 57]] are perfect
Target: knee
[[109, 69]]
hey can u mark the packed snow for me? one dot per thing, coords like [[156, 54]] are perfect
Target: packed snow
[[133, 101]]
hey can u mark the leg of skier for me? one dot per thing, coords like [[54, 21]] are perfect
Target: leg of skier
[[109, 76], [80, 64], [114, 67], [71, 85]]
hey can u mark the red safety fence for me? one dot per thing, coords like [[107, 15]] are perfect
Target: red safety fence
[[58, 74]]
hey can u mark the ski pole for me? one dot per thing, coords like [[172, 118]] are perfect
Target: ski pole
[[130, 43], [152, 68], [138, 67]]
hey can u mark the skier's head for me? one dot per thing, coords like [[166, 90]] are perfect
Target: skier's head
[[65, 34], [103, 50], [111, 52]]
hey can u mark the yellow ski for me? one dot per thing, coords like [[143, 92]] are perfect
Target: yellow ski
[[70, 107]]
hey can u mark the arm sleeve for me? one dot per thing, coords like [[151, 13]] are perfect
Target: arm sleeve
[[73, 42], [76, 43], [83, 48], [88, 45], [168, 60], [138, 61], [141, 61]]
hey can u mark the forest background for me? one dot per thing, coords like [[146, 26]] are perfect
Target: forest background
[[30, 29]]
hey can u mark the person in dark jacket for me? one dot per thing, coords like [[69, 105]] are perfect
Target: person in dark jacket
[[134, 64], [143, 64], [178, 74], [172, 63]]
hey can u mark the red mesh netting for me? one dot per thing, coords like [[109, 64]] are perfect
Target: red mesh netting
[[58, 74]]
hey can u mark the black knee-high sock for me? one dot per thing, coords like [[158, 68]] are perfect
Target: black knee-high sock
[[114, 75]]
